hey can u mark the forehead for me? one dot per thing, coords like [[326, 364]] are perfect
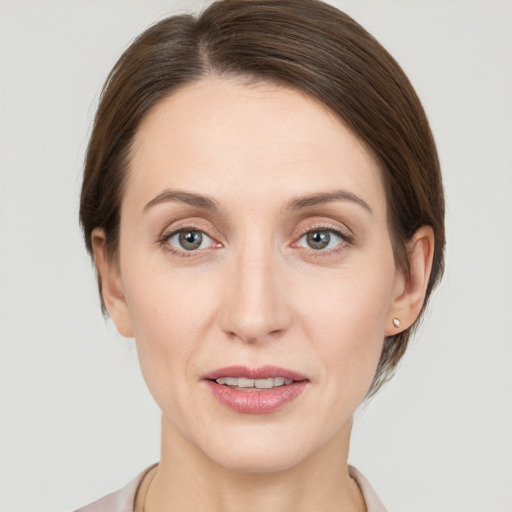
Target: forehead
[[221, 136]]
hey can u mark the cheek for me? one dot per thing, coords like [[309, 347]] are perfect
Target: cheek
[[169, 314], [346, 317], [172, 313], [163, 300]]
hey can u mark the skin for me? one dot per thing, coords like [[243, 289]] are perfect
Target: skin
[[255, 292]]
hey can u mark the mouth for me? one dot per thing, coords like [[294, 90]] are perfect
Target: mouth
[[245, 384], [255, 390], [263, 377]]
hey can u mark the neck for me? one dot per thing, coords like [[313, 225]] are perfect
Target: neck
[[186, 479]]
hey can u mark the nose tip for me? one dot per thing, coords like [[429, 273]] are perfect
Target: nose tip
[[254, 307], [251, 331]]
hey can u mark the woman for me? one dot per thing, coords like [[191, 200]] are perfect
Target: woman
[[263, 202]]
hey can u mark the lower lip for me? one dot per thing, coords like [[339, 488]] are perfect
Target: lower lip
[[256, 402]]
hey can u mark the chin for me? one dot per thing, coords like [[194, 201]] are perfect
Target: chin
[[253, 453], [259, 460]]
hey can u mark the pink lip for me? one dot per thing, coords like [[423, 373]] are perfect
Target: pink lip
[[263, 372], [256, 402]]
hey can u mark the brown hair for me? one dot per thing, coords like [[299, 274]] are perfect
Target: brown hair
[[304, 44]]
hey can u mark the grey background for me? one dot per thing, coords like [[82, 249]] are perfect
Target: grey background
[[76, 420]]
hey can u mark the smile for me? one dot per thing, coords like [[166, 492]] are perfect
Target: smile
[[247, 384], [255, 390]]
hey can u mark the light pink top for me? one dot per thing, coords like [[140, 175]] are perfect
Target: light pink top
[[124, 499]]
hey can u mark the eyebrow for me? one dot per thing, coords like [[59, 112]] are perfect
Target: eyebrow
[[180, 196], [310, 200], [297, 203]]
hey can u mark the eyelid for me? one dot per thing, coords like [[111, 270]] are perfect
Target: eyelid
[[343, 231], [192, 224], [163, 239], [204, 239], [346, 235]]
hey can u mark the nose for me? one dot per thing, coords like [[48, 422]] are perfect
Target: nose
[[254, 306]]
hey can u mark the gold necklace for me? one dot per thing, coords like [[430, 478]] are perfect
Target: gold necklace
[[147, 490]]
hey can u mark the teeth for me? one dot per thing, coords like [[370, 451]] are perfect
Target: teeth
[[242, 382], [264, 383], [245, 383]]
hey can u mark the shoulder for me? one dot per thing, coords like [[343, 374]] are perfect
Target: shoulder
[[373, 503], [119, 501]]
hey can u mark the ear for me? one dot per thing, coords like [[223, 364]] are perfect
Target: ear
[[111, 284], [411, 289]]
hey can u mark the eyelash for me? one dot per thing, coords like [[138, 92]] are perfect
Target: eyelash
[[346, 241], [163, 241]]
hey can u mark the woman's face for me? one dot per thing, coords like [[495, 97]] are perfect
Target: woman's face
[[254, 235]]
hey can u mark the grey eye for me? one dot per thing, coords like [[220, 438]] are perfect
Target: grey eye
[[189, 240], [321, 239], [318, 239]]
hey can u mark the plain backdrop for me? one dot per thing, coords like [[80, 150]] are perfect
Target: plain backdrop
[[76, 420]]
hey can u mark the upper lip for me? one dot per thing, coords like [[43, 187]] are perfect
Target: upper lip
[[261, 372]]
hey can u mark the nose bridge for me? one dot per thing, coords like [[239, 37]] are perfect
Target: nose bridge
[[254, 306]]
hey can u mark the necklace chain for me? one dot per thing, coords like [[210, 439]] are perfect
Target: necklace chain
[[147, 491]]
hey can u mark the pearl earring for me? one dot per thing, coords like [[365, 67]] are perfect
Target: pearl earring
[[396, 322]]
